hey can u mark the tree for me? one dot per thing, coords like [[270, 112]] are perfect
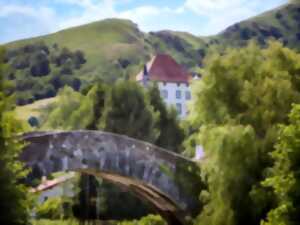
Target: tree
[[98, 93], [67, 112], [171, 134], [284, 178], [40, 64], [242, 97], [128, 111], [13, 203]]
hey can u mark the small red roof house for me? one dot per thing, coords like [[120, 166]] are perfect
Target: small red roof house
[[172, 79], [58, 187], [164, 68]]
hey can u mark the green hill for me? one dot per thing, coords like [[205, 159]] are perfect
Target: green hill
[[281, 24], [116, 48], [104, 43]]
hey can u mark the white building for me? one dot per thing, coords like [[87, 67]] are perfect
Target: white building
[[172, 80], [58, 187]]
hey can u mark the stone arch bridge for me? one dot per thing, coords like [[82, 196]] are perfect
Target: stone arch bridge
[[168, 181]]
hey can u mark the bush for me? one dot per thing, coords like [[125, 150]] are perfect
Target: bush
[[33, 121], [50, 209]]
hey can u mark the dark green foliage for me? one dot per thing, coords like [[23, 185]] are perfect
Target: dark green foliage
[[128, 111], [33, 121], [171, 134], [124, 63], [242, 97], [79, 59], [246, 33], [99, 94], [21, 62], [50, 209], [39, 64], [40, 71], [281, 24], [13, 204], [284, 176]]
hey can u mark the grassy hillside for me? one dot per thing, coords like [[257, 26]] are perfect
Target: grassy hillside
[[104, 43], [25, 112], [281, 24], [116, 48]]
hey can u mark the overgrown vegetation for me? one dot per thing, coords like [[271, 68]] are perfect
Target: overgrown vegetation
[[243, 97], [13, 195], [39, 71], [284, 175]]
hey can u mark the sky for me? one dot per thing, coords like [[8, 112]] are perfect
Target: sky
[[29, 18]]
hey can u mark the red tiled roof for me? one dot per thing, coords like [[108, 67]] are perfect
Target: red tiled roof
[[163, 67], [48, 184]]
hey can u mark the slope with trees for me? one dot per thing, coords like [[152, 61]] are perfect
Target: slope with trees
[[39, 71], [116, 48]]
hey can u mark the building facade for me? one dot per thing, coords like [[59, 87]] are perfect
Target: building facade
[[172, 80]]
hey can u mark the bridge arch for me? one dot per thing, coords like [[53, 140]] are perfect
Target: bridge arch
[[170, 182]]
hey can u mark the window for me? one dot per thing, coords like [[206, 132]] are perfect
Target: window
[[187, 95], [164, 94], [179, 108], [178, 94]]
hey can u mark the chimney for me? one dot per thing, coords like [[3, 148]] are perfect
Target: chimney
[[145, 70], [145, 76]]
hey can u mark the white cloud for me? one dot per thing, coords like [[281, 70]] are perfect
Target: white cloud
[[208, 6], [201, 16], [21, 21], [222, 13], [97, 10], [92, 11]]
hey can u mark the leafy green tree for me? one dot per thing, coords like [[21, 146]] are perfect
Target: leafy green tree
[[284, 178], [242, 97], [40, 64], [98, 94], [13, 195], [67, 67], [67, 112], [50, 209], [171, 134], [128, 111]]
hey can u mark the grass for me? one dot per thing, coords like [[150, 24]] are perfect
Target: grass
[[70, 222], [25, 112], [54, 222]]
